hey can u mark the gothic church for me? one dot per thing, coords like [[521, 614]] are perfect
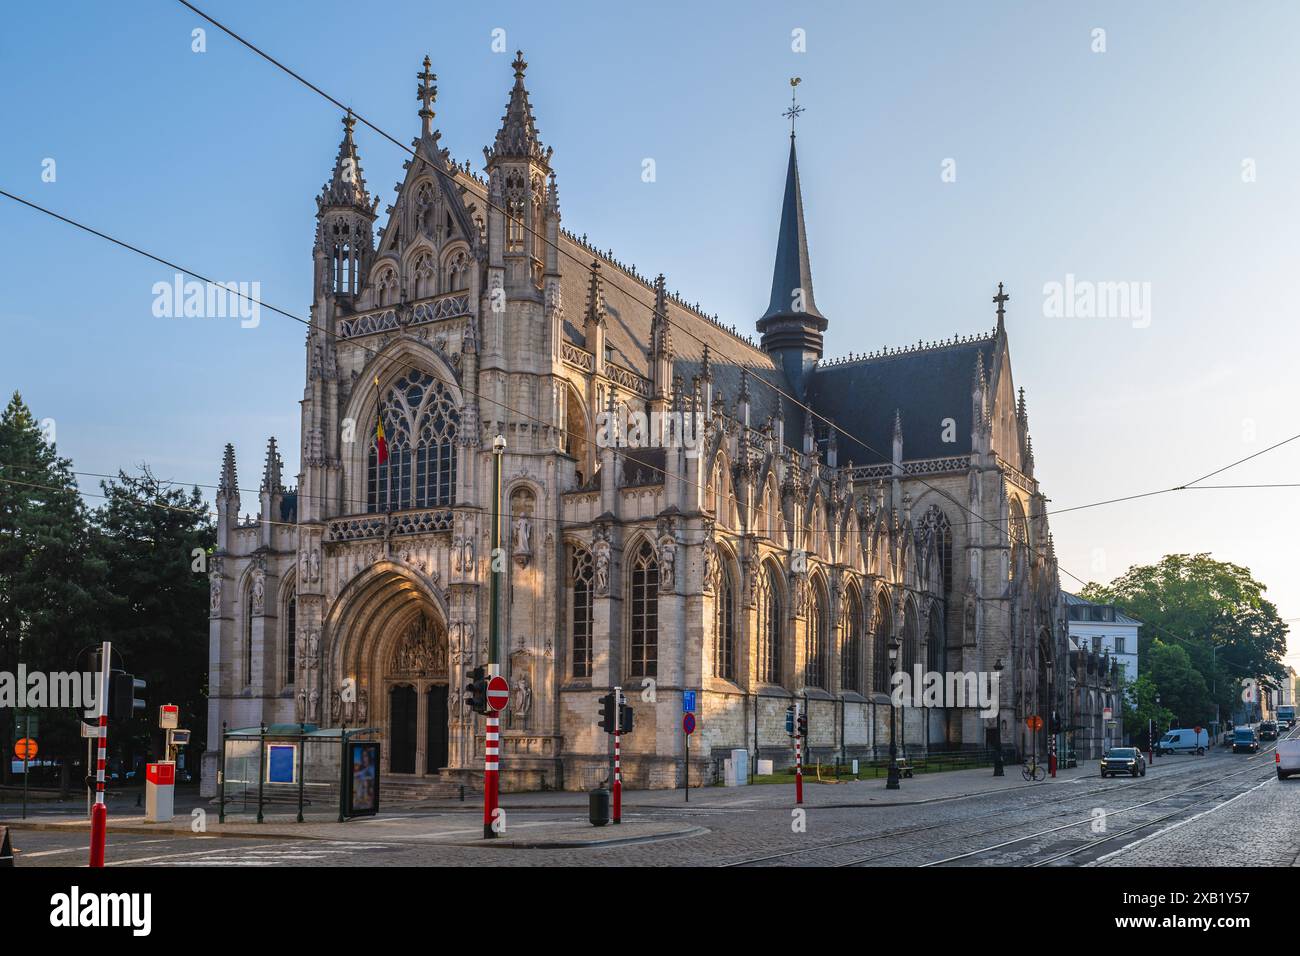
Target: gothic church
[[772, 558]]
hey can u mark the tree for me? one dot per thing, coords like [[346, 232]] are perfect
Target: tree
[[1215, 612], [156, 540], [51, 581]]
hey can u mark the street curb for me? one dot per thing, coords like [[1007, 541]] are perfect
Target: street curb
[[513, 844]]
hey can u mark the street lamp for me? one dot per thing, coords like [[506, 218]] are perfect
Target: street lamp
[[891, 782], [998, 770], [492, 736]]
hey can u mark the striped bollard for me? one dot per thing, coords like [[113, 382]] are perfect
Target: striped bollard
[[99, 812], [798, 769], [618, 779], [491, 755]]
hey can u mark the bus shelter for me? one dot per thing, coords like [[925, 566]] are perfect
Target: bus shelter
[[282, 766]]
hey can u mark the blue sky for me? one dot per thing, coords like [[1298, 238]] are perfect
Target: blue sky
[[1116, 166]]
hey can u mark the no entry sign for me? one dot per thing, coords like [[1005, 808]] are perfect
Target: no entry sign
[[25, 749], [688, 724], [498, 693], [1034, 723]]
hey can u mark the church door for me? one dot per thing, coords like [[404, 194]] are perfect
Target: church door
[[402, 727], [436, 728]]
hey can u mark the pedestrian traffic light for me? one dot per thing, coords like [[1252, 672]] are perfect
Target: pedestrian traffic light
[[624, 718], [803, 725], [125, 695], [607, 713], [789, 720], [476, 691]]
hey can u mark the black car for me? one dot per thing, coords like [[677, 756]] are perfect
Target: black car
[[1268, 730], [1127, 760]]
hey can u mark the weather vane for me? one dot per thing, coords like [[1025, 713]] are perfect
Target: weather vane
[[795, 109]]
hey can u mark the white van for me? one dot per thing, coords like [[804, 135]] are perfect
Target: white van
[[1185, 740], [1287, 757]]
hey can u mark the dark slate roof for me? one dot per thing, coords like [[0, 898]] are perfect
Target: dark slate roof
[[629, 302], [926, 385]]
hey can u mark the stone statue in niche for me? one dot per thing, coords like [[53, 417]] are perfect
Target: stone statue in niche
[[523, 540], [667, 560], [259, 591], [600, 552]]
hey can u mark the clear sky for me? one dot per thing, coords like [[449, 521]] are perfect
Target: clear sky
[[1128, 165]]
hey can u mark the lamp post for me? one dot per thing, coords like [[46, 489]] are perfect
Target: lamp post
[[492, 735], [891, 782], [998, 769]]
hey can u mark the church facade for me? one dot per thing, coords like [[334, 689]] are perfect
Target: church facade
[[683, 508]]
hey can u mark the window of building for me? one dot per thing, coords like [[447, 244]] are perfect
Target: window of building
[[644, 631], [580, 597], [290, 640], [815, 639], [851, 655], [1119, 645], [420, 426], [769, 627], [880, 648], [724, 627]]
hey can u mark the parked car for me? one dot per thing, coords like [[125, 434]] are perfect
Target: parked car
[[1287, 758], [1185, 740], [1245, 740], [1127, 760], [1268, 730]]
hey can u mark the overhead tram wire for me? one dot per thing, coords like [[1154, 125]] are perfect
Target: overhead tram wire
[[561, 251], [761, 511]]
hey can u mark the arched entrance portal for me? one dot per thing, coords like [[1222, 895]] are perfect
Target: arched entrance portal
[[391, 641]]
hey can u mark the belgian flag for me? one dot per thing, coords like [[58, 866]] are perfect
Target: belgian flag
[[381, 445]]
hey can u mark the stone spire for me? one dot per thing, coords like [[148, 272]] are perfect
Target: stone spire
[[517, 138], [792, 326], [661, 331], [427, 93], [346, 186], [1001, 301], [272, 471], [229, 484]]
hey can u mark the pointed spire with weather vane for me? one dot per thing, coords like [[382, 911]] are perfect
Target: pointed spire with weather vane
[[792, 327]]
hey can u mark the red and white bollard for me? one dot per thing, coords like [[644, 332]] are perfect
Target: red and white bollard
[[618, 778], [798, 768], [99, 812], [491, 766]]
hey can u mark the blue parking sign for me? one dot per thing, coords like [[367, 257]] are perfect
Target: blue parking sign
[[688, 702]]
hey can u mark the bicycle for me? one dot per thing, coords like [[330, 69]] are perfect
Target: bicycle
[[1034, 770]]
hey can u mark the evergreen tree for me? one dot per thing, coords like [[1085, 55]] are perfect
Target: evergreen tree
[[50, 577]]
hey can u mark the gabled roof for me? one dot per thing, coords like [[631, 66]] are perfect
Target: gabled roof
[[924, 385]]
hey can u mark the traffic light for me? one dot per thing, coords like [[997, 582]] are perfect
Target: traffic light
[[624, 718], [789, 720], [803, 726], [1054, 725], [125, 695], [476, 691], [607, 713]]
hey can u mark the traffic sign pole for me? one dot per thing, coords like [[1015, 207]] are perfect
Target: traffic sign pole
[[688, 728], [26, 757], [498, 696], [99, 812], [618, 759]]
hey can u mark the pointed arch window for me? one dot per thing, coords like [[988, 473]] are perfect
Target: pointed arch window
[[581, 576], [935, 652], [769, 627], [911, 638], [724, 626], [291, 639], [420, 426], [815, 639], [644, 630], [880, 647], [248, 636], [851, 655]]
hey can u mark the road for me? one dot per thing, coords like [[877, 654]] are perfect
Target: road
[[1217, 810]]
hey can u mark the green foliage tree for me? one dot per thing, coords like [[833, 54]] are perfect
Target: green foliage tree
[[1213, 611], [156, 540], [51, 582]]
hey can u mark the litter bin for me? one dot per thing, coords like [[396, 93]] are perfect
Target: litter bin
[[598, 807]]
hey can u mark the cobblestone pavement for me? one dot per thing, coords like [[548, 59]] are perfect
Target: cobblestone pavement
[[964, 819]]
